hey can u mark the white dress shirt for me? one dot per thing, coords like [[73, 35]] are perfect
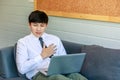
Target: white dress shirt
[[28, 58]]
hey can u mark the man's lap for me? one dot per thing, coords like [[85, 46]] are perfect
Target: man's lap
[[72, 76]]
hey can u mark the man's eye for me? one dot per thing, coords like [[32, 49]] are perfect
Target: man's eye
[[42, 25], [35, 25]]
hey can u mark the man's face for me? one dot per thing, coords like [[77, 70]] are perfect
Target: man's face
[[38, 28]]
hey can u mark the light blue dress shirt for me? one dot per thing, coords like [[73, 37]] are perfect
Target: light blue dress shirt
[[28, 58]]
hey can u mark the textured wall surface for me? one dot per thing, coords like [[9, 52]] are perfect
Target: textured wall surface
[[13, 20], [13, 25], [86, 32]]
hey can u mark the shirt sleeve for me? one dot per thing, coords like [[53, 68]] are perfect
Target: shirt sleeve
[[24, 64]]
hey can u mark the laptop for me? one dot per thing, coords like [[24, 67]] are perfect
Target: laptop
[[65, 64]]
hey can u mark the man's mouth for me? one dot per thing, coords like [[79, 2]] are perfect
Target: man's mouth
[[38, 33]]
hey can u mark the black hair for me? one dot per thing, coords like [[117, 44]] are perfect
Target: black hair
[[38, 17]]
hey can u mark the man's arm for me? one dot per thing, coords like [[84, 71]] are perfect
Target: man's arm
[[24, 64]]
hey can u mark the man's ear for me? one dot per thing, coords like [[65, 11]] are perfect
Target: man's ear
[[29, 24], [46, 24]]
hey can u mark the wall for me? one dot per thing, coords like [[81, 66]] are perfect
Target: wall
[[89, 32], [13, 25], [13, 20]]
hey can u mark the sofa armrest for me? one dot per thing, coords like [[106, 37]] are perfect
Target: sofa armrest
[[8, 67]]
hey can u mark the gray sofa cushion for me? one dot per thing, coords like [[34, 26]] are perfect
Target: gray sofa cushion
[[8, 67], [101, 63], [72, 47]]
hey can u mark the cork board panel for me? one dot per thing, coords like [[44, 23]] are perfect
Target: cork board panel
[[104, 10]]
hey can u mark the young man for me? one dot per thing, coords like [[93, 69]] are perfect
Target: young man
[[34, 50]]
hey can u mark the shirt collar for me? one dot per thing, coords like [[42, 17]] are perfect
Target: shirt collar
[[36, 38]]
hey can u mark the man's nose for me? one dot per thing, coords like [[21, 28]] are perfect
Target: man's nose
[[39, 28]]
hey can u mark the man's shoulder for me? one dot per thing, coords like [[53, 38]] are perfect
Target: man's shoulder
[[51, 36], [24, 39]]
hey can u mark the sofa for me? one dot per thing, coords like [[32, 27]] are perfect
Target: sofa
[[100, 63]]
